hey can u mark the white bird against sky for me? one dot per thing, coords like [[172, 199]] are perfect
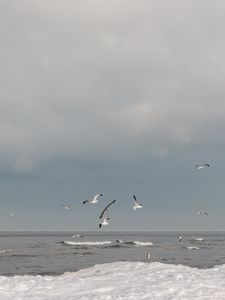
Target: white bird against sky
[[94, 200], [66, 206], [137, 204], [11, 215], [199, 167], [104, 222], [203, 213]]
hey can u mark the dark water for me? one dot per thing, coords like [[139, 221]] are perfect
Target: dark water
[[43, 253]]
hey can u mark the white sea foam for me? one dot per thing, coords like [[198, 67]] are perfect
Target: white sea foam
[[120, 280], [87, 243], [192, 248], [5, 251], [137, 243], [198, 239]]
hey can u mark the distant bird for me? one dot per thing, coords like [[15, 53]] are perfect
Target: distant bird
[[105, 222], [149, 256], [106, 209], [137, 204], [180, 239], [94, 200], [78, 236], [199, 167], [11, 215], [203, 213], [67, 207]]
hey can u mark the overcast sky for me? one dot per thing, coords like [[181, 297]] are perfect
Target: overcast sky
[[121, 97]]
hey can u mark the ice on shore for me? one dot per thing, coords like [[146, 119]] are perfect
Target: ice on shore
[[120, 281]]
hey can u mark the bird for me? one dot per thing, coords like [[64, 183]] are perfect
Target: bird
[[105, 222], [94, 200], [67, 207], [180, 238], [203, 213], [78, 236], [149, 256], [199, 167], [11, 215], [106, 209], [137, 204]]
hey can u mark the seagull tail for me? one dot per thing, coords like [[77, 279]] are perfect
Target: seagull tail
[[85, 201]]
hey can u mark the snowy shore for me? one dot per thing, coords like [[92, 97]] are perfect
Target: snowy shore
[[120, 281]]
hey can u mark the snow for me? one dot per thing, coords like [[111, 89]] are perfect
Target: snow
[[120, 281]]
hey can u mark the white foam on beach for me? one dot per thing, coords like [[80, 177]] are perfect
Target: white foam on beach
[[87, 243], [120, 281]]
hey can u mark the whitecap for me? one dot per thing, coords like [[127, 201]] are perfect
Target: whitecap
[[137, 243], [71, 243]]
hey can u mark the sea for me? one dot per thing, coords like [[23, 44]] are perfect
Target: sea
[[112, 265]]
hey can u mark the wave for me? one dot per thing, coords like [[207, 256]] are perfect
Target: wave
[[143, 243], [5, 251], [120, 280], [198, 239], [70, 243], [192, 248]]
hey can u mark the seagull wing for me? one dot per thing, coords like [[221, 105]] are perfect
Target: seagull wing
[[105, 209], [136, 202]]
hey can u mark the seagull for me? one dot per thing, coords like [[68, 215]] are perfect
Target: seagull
[[199, 167], [94, 200], [11, 215], [78, 236], [149, 256], [203, 213], [137, 204], [66, 206], [106, 209], [180, 239], [105, 222]]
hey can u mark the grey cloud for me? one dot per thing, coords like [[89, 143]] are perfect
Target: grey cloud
[[93, 79]]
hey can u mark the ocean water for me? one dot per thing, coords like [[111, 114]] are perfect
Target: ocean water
[[54, 253], [112, 266]]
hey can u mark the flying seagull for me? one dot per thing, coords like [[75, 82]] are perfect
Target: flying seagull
[[137, 204], [203, 213], [180, 239], [94, 200], [11, 215], [106, 209], [66, 206], [199, 167], [105, 222], [78, 236]]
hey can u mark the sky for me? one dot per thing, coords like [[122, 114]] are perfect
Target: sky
[[121, 97]]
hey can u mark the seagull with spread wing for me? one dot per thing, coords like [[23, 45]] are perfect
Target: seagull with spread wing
[[199, 167], [106, 209], [137, 204], [203, 213], [94, 200]]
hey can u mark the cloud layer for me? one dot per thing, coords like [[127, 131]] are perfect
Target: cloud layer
[[109, 80]]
